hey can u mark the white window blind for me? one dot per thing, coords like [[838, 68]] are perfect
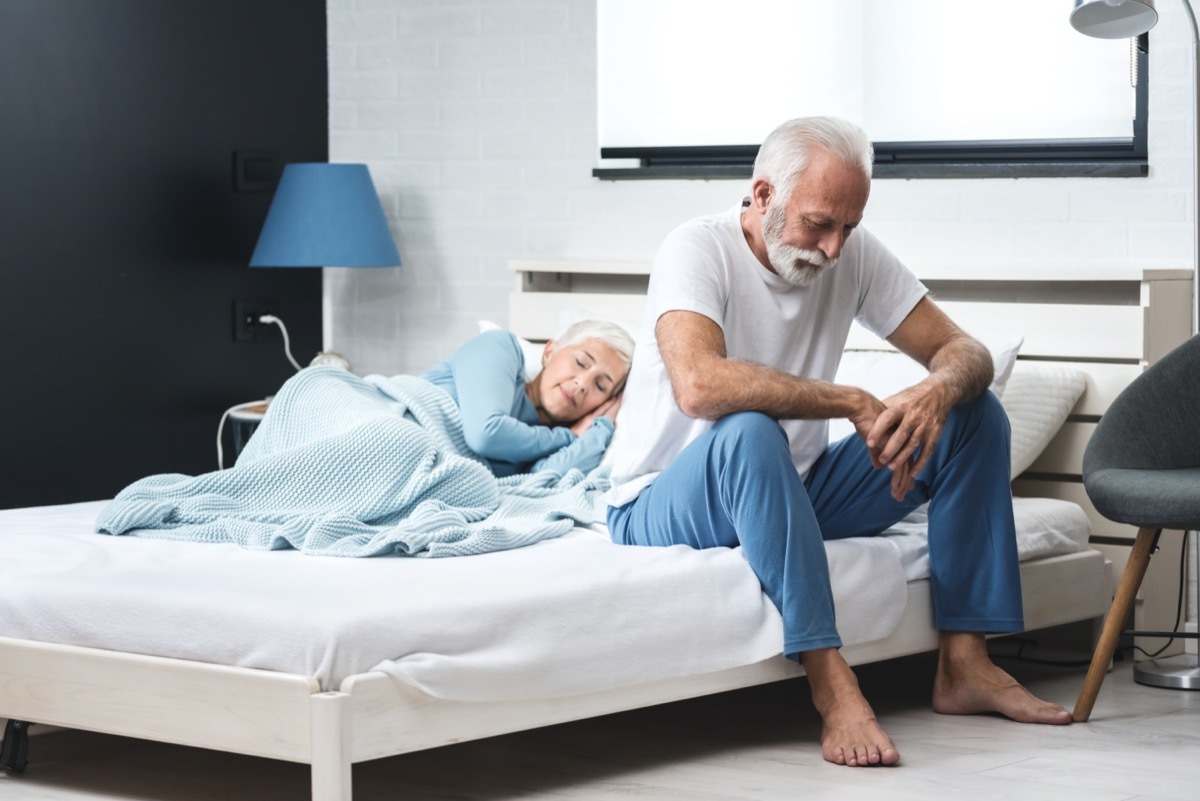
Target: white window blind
[[681, 73]]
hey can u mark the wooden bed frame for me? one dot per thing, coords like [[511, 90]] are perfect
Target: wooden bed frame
[[1126, 321]]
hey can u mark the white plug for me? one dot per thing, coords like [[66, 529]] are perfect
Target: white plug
[[287, 345]]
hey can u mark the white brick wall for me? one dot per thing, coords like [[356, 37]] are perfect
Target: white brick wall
[[477, 119]]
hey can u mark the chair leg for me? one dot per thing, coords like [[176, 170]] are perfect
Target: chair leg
[[1127, 588]]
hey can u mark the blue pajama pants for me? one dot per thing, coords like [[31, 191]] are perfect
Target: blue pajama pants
[[737, 485]]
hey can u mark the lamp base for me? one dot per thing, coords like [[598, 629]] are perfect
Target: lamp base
[[1175, 672]]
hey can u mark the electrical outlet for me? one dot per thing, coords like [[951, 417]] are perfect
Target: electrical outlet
[[246, 327]]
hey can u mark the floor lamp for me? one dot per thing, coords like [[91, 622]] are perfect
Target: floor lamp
[[1123, 19]]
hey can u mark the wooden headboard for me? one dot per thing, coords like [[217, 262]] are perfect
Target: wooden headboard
[[1110, 324]]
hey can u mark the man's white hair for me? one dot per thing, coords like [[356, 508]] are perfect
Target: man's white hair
[[786, 151]]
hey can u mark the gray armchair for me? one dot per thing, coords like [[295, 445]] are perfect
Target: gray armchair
[[1142, 467]]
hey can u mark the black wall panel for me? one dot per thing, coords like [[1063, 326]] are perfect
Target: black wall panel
[[123, 238]]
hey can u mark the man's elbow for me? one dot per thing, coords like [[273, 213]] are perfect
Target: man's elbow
[[695, 396]]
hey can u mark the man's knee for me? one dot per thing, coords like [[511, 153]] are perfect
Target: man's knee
[[984, 413], [748, 427], [751, 437], [985, 408]]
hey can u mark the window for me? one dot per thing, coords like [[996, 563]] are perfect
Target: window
[[942, 86]]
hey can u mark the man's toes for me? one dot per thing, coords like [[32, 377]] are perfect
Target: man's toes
[[1056, 715]]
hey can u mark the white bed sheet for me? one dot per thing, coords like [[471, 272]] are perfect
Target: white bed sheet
[[1045, 527], [562, 617]]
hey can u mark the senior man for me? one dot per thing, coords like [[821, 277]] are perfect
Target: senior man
[[723, 438]]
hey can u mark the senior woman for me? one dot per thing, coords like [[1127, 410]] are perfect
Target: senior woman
[[560, 419]]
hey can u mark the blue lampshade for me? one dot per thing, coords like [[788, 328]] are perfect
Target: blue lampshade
[[325, 215]]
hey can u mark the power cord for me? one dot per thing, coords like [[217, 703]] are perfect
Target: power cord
[[321, 358], [1179, 602], [1023, 641], [287, 344]]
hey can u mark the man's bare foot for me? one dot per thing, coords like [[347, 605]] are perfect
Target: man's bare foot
[[969, 683], [850, 734]]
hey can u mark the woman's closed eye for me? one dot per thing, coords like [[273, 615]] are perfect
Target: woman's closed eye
[[600, 382]]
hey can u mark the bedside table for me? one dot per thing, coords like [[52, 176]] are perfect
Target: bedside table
[[244, 421]]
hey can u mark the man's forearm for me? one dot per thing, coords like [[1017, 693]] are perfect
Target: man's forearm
[[708, 385], [964, 367], [725, 386]]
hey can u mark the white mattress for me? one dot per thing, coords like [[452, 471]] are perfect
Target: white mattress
[[1045, 527], [562, 617]]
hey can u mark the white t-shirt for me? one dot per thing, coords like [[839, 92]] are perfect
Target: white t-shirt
[[706, 266]]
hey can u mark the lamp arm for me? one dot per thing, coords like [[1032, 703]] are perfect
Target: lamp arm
[[1187, 7]]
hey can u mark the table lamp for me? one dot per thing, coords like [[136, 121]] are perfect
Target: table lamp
[[323, 215]]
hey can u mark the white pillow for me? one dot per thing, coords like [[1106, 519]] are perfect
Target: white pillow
[[884, 373], [1038, 399], [531, 350], [1004, 356]]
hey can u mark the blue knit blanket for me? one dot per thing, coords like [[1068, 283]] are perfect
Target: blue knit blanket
[[350, 466]]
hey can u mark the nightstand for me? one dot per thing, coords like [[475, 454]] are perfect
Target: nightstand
[[243, 422]]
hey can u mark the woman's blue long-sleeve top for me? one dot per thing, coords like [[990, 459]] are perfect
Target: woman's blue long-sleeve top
[[486, 378]]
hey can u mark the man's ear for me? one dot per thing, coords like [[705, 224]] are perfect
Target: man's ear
[[547, 352], [761, 194]]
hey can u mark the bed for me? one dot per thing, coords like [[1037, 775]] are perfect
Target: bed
[[80, 647]]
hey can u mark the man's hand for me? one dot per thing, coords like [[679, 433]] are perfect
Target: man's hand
[[865, 423], [902, 436]]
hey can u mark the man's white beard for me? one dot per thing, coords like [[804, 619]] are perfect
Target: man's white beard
[[797, 266]]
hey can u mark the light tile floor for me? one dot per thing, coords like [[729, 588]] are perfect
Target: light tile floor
[[759, 743]]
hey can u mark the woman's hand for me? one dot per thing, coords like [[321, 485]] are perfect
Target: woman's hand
[[607, 409]]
